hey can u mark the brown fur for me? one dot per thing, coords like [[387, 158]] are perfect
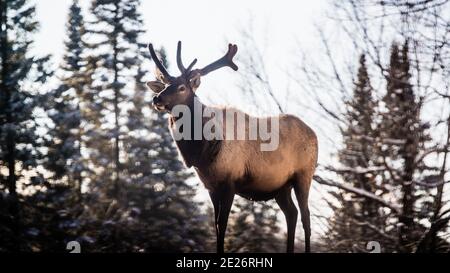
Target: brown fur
[[243, 163]]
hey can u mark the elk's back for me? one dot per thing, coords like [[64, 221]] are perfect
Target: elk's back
[[254, 170]]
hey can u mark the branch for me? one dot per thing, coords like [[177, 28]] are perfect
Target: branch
[[359, 192], [432, 184], [357, 170], [255, 65]]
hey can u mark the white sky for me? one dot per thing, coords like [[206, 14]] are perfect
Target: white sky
[[202, 25]]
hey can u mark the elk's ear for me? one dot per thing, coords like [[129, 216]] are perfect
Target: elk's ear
[[160, 76], [156, 86], [194, 82]]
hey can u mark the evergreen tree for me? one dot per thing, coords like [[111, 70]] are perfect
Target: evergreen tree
[[358, 135], [116, 28], [167, 216], [383, 154], [404, 137], [148, 204], [67, 104], [356, 218], [69, 108], [19, 71]]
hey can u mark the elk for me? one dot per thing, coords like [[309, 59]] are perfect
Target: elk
[[228, 167]]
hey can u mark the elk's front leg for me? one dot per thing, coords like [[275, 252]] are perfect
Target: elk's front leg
[[222, 200]]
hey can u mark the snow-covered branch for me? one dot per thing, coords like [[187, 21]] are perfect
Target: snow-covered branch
[[359, 192], [357, 170]]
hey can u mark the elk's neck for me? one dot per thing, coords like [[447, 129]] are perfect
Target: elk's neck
[[197, 152]]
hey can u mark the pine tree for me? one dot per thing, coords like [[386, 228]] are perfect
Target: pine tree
[[158, 211], [357, 218], [67, 104], [69, 107], [117, 28], [168, 217], [404, 137], [148, 204], [19, 70], [358, 135]]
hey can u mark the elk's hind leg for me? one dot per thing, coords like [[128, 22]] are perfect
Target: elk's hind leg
[[284, 200], [301, 188]]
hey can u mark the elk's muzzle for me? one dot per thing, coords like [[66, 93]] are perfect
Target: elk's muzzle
[[158, 103]]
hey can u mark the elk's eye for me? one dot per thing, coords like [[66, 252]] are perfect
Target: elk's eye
[[182, 88]]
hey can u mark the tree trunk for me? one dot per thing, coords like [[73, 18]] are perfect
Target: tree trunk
[[407, 216], [78, 177], [116, 90], [10, 138]]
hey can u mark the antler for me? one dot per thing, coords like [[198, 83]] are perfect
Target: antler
[[226, 60], [181, 67], [159, 64]]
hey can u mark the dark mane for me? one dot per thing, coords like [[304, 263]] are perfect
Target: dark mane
[[197, 152]]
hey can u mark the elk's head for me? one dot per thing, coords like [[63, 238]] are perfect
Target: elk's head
[[171, 91]]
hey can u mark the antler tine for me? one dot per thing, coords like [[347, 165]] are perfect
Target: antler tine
[[183, 70], [191, 65], [179, 61], [226, 60], [158, 63]]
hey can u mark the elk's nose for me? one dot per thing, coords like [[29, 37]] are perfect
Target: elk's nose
[[156, 100]]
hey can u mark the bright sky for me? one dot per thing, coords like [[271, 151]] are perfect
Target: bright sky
[[202, 25]]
